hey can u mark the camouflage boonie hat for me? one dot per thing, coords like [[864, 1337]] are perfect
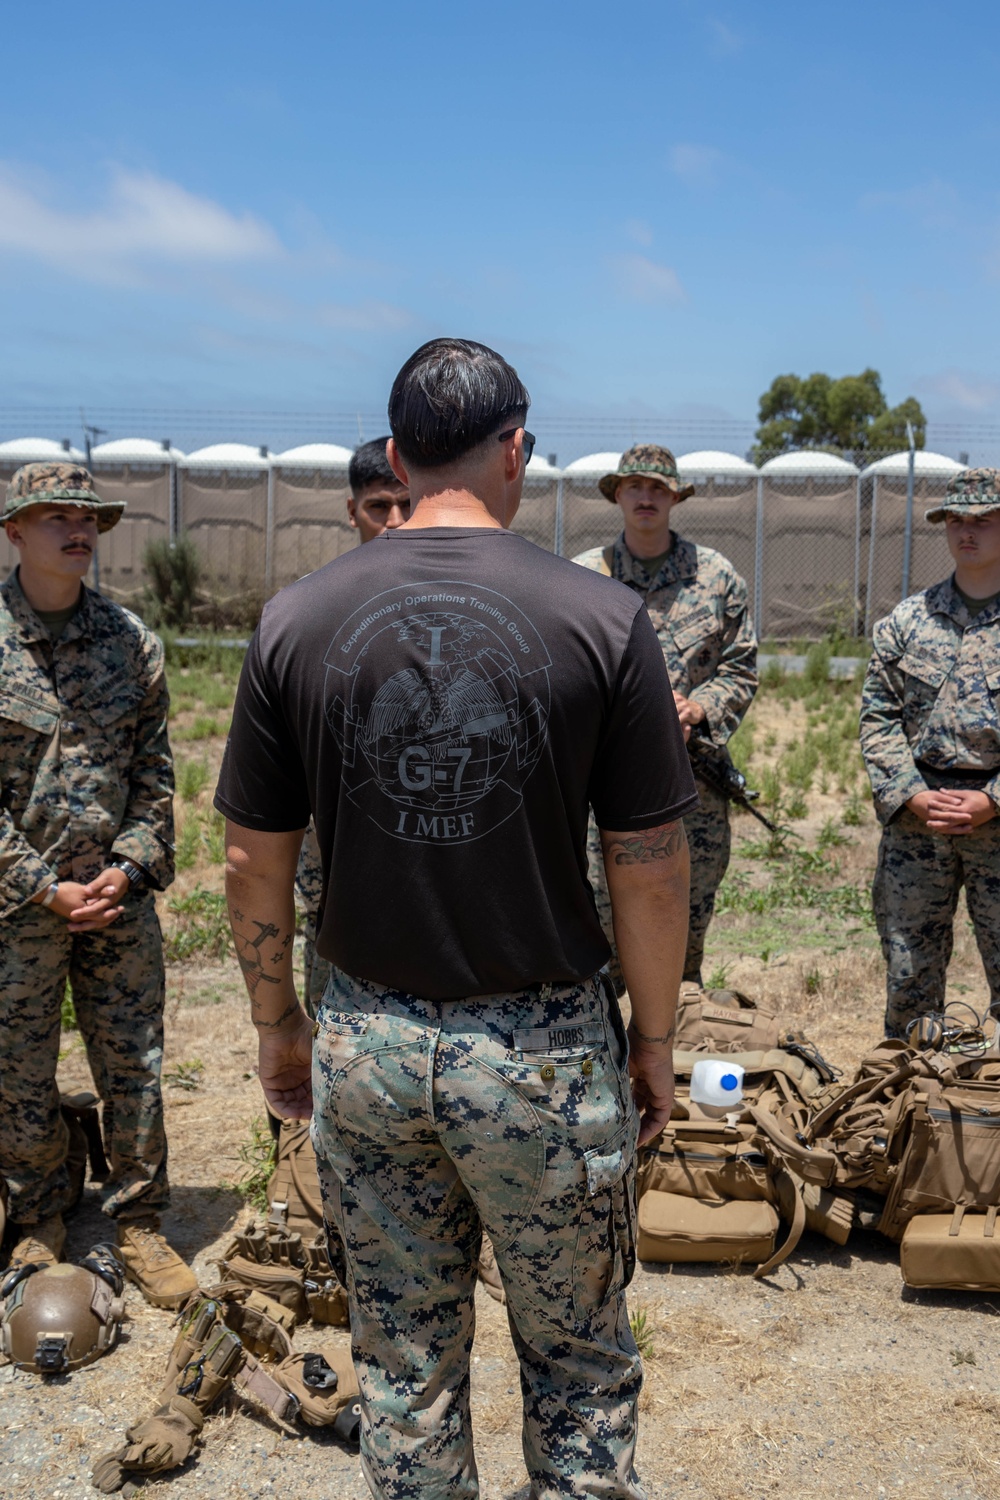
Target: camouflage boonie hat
[[646, 461], [973, 492], [47, 484]]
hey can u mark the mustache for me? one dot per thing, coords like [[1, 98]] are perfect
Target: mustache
[[76, 547]]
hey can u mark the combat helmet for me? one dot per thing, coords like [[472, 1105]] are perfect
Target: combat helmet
[[48, 484], [57, 1318]]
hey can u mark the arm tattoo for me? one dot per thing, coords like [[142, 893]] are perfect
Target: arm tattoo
[[249, 954], [651, 1040], [648, 845], [289, 1010]]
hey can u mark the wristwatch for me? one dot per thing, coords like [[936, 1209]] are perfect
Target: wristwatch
[[135, 875]]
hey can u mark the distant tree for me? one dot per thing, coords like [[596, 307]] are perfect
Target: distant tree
[[173, 571], [849, 415]]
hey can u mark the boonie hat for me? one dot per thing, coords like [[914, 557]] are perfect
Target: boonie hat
[[47, 484], [973, 492], [646, 461]]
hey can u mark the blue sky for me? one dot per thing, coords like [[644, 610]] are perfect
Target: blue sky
[[652, 209]]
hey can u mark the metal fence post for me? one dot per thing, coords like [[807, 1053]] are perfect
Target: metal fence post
[[857, 561], [908, 534], [269, 529], [871, 556], [758, 562], [559, 538]]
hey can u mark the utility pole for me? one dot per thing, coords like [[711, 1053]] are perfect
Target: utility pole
[[908, 533], [90, 436]]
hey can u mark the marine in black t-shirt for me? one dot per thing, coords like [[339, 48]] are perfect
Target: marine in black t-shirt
[[447, 703]]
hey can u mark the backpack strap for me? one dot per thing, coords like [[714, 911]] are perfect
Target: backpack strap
[[809, 1163], [798, 1224]]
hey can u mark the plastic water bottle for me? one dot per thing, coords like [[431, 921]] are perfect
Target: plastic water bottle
[[717, 1085]]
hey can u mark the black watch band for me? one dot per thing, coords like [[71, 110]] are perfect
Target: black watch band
[[134, 874]]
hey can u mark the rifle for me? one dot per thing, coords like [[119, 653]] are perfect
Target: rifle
[[718, 771]]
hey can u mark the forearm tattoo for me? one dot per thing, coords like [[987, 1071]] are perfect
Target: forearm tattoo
[[648, 845], [653, 1040], [259, 952]]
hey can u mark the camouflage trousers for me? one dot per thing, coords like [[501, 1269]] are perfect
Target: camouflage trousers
[[118, 990], [511, 1114], [915, 893], [709, 839]]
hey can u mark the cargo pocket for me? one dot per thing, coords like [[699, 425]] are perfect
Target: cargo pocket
[[605, 1245]]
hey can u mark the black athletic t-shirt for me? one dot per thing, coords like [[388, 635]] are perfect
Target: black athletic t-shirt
[[446, 702]]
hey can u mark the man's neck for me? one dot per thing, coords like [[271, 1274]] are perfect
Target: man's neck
[[647, 544], [460, 508], [47, 592], [978, 582]]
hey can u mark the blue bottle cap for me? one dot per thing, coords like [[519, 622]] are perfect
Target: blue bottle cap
[[729, 1081]]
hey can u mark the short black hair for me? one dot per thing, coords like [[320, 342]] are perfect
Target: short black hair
[[369, 465], [450, 396]]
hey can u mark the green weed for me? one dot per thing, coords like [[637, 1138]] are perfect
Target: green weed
[[67, 1011], [186, 1075], [203, 928], [188, 843], [258, 1155], [852, 814], [192, 778], [813, 982], [797, 807], [642, 1332], [203, 728], [719, 975], [213, 836], [830, 836]]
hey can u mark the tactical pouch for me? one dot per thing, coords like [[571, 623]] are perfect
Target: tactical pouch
[[959, 1251], [948, 1149], [325, 1296], [675, 1228], [293, 1194], [268, 1261], [723, 1021]]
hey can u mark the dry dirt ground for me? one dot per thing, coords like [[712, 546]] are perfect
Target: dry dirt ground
[[829, 1379]]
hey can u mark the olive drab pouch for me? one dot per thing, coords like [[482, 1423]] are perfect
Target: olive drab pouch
[[268, 1261], [674, 1228], [959, 1251], [723, 1021], [293, 1194]]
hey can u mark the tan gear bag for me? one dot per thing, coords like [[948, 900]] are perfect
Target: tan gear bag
[[723, 1021], [293, 1194], [959, 1251]]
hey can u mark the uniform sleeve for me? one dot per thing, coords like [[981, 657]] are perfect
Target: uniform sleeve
[[642, 775], [887, 755], [23, 871], [262, 783], [146, 835], [730, 690]]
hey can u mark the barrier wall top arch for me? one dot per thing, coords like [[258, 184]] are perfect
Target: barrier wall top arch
[[135, 451], [223, 456], [32, 450], [313, 456]]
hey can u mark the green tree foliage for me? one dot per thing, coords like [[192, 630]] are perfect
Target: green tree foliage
[[173, 572], [849, 415]]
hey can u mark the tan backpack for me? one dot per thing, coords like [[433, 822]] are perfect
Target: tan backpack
[[723, 1021], [293, 1194]]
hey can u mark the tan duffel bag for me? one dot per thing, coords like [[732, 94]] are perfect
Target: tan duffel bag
[[676, 1228], [959, 1251]]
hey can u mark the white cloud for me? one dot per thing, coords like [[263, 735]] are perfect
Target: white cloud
[[693, 164], [727, 40], [639, 231], [965, 389], [365, 317], [935, 204], [646, 280], [142, 218]]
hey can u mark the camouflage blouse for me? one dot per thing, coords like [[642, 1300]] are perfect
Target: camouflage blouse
[[698, 605], [85, 766], [932, 695]]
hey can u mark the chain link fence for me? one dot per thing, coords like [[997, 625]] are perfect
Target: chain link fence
[[823, 545]]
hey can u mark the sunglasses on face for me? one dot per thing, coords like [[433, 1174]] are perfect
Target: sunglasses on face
[[529, 441]]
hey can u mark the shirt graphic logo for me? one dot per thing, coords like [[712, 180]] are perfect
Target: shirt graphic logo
[[438, 695]]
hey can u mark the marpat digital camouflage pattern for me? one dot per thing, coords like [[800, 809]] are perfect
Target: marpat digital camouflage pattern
[[47, 484], [432, 1124], [698, 605], [309, 887], [85, 776], [973, 492], [929, 719], [646, 461]]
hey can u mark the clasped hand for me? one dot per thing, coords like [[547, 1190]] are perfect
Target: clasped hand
[[952, 811]]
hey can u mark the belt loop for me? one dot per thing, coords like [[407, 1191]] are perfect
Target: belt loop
[[545, 993]]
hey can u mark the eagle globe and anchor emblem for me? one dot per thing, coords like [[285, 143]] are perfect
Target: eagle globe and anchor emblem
[[451, 737]]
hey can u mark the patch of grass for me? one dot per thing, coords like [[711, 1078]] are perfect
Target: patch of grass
[[186, 1075], [258, 1156], [203, 928], [719, 975], [188, 844], [797, 807], [852, 815], [203, 728], [192, 778], [813, 982], [830, 836], [67, 1011], [642, 1332], [213, 837], [741, 746]]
